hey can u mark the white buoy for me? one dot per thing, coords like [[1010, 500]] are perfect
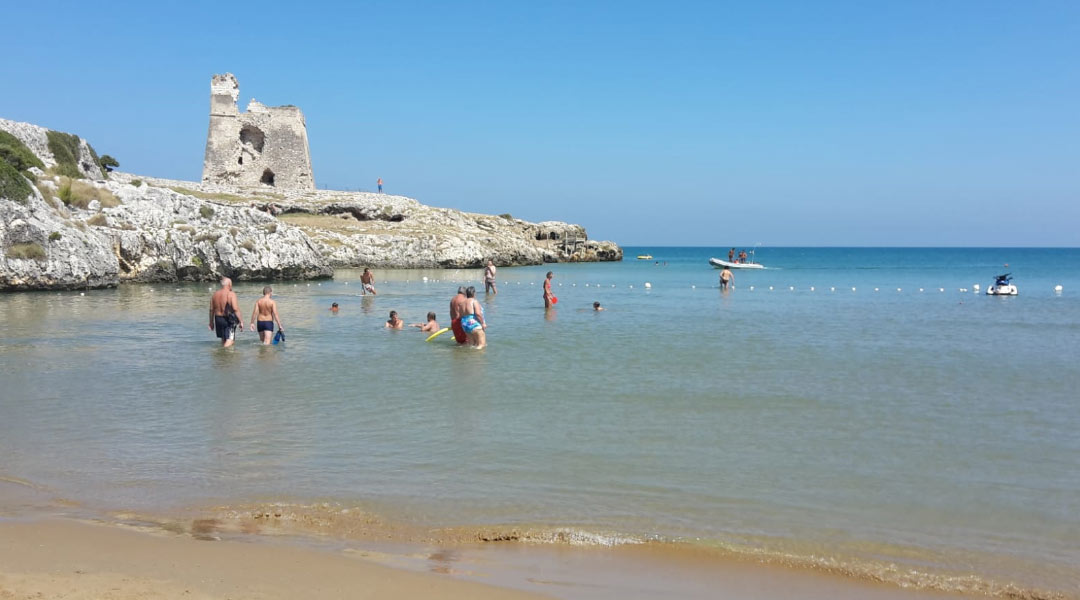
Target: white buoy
[[210, 289], [631, 287], [586, 285], [975, 287], [875, 289], [82, 293], [1058, 288], [853, 289], [613, 285], [648, 285], [770, 288], [573, 285], [751, 288], [791, 287], [920, 290], [832, 289], [424, 279], [309, 285], [320, 285], [811, 288], [899, 290]]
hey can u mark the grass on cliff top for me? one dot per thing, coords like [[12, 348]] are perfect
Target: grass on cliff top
[[80, 194], [65, 149], [16, 154], [256, 196], [13, 185]]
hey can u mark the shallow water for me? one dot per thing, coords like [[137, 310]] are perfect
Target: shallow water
[[858, 429]]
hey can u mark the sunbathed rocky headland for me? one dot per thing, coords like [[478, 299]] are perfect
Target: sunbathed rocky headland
[[67, 223]]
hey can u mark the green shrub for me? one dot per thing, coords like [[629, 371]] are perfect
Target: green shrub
[[507, 216], [65, 149], [136, 182], [26, 252], [54, 236], [16, 154], [206, 212], [97, 220], [195, 260], [13, 185], [107, 163]]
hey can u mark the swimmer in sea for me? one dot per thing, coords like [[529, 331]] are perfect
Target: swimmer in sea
[[367, 282], [489, 278], [596, 306], [457, 308], [394, 322], [264, 315], [225, 313], [472, 322], [430, 327], [547, 290], [334, 308], [726, 277]]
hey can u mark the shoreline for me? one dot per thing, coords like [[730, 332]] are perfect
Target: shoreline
[[565, 562], [64, 558]]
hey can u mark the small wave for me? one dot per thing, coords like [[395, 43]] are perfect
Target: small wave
[[338, 521]]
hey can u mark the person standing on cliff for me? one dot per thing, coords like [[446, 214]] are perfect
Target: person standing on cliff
[[380, 185], [367, 282], [489, 278], [225, 313]]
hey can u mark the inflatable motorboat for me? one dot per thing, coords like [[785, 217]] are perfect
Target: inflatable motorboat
[[1002, 286]]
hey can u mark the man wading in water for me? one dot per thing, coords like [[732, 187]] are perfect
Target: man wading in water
[[458, 305], [225, 313], [264, 315]]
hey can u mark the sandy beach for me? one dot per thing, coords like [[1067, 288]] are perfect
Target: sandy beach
[[75, 560]]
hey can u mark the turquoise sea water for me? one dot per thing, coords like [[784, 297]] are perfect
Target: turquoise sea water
[[921, 436]]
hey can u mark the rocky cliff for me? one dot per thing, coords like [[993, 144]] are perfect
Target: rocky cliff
[[69, 233]]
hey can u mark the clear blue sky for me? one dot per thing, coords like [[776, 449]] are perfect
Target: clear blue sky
[[682, 123]]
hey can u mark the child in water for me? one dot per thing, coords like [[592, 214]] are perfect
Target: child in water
[[430, 327], [394, 322], [596, 306]]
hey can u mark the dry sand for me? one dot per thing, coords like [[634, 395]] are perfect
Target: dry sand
[[82, 561]]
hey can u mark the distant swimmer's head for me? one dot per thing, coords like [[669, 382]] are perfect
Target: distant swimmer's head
[[267, 290], [226, 283], [461, 290], [393, 315], [431, 316], [334, 307], [596, 306], [470, 292]]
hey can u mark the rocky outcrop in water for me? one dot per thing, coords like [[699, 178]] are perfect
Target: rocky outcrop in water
[[74, 233]]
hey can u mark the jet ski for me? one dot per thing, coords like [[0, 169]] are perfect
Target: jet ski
[[1002, 286]]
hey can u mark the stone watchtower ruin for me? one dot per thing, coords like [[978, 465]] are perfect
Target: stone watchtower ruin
[[266, 145]]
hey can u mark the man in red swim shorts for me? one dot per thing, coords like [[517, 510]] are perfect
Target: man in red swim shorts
[[459, 304]]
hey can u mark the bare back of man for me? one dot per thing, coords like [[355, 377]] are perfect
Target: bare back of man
[[458, 305], [219, 322], [264, 315]]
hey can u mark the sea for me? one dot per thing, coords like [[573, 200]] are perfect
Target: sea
[[869, 412]]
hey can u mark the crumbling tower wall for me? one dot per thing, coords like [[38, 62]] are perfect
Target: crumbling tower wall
[[265, 145]]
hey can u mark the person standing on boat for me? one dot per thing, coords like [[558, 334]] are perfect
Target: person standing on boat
[[731, 255], [742, 256], [726, 277]]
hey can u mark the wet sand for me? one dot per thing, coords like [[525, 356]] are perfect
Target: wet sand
[[59, 558], [75, 560]]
